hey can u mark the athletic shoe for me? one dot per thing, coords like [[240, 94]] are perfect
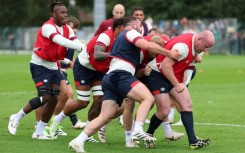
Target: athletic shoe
[[41, 137], [179, 123], [200, 143], [149, 144], [141, 135], [54, 130], [46, 133], [174, 136], [78, 147], [61, 132], [101, 134], [131, 144], [92, 140], [13, 124], [79, 125], [147, 121]]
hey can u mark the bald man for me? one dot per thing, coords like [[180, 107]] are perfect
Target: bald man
[[169, 74], [117, 12]]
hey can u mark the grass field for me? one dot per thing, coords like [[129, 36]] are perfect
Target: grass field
[[218, 106]]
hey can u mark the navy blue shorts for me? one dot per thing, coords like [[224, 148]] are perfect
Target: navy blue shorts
[[45, 77], [144, 79], [117, 84], [157, 83], [85, 76]]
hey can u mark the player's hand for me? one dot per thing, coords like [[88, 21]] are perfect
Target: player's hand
[[174, 54], [148, 70], [198, 58], [180, 87]]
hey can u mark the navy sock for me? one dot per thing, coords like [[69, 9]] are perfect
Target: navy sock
[[154, 124], [73, 118], [187, 119]]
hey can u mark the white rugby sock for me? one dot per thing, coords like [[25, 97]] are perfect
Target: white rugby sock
[[128, 135], [138, 126], [40, 127], [166, 127], [82, 137], [20, 115], [59, 118], [171, 114]]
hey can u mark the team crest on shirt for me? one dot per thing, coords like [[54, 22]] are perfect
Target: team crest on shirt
[[162, 89], [109, 28], [82, 81], [45, 80], [186, 61]]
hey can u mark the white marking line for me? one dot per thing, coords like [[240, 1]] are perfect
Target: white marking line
[[220, 124], [16, 93]]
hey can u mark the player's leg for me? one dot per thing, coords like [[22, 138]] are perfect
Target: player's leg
[[43, 90], [48, 110], [108, 110], [184, 100]]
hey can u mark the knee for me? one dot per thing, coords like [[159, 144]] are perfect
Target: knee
[[187, 107], [82, 104], [163, 113], [150, 99]]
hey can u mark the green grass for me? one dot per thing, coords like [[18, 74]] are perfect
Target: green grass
[[217, 93]]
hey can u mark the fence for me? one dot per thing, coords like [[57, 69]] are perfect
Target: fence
[[228, 39]]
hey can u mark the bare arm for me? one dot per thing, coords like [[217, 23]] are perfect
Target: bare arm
[[167, 70], [99, 53], [156, 49]]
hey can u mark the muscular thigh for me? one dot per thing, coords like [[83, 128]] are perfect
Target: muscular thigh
[[163, 102], [183, 98]]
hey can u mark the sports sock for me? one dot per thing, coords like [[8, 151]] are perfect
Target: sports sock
[[138, 126], [171, 114], [40, 127], [167, 128], [20, 115], [187, 119], [82, 137], [128, 135], [73, 118], [155, 122], [59, 118]]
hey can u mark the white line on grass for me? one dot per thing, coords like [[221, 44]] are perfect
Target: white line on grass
[[208, 124], [220, 124]]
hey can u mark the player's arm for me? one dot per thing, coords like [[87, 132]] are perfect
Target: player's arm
[[188, 73], [101, 45], [67, 62], [167, 70], [167, 65], [49, 32], [156, 49]]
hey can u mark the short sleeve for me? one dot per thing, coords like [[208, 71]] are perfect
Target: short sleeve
[[183, 50]]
